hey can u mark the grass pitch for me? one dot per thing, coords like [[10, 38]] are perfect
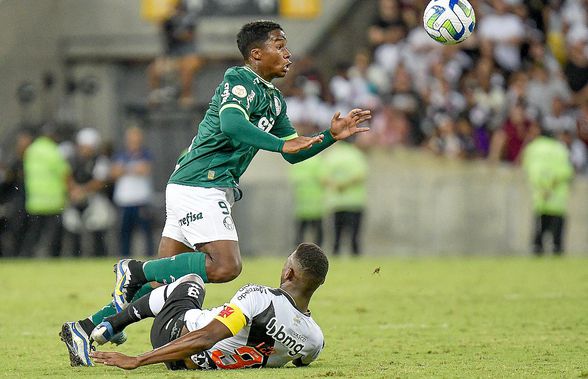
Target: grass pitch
[[454, 317]]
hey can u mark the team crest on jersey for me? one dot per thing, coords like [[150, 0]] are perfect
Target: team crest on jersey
[[226, 312], [239, 91], [228, 222], [277, 104]]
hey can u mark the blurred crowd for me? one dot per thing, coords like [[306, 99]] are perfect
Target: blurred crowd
[[524, 68], [66, 192]]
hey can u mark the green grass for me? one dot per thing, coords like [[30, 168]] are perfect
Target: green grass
[[456, 317]]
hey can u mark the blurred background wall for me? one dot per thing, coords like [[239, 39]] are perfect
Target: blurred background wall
[[417, 206]]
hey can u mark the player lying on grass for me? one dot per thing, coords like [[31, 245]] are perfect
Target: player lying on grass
[[247, 113], [259, 327]]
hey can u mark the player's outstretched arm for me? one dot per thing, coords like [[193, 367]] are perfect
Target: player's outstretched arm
[[321, 142], [179, 349], [343, 127], [301, 143], [234, 124]]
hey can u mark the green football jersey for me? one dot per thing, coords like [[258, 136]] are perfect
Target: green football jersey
[[215, 160]]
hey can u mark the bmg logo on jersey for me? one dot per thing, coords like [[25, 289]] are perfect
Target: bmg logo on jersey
[[190, 217], [280, 335]]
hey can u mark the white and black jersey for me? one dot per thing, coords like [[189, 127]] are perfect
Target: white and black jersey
[[268, 331]]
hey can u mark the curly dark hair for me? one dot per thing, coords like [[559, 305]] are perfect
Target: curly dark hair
[[254, 34], [312, 261]]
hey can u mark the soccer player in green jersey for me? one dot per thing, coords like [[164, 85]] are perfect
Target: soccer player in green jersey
[[246, 113]]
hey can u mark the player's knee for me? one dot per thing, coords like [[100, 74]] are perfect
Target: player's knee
[[195, 278], [225, 272]]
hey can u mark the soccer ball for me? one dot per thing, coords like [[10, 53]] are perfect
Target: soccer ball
[[449, 21]]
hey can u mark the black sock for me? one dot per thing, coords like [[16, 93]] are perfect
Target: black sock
[[137, 274], [136, 311], [137, 279], [87, 325]]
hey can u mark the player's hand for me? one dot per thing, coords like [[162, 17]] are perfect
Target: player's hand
[[343, 127], [111, 358], [300, 143]]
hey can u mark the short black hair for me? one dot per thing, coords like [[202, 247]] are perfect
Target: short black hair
[[254, 34], [312, 261]]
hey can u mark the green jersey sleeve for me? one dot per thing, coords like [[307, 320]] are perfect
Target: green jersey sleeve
[[283, 127], [234, 125]]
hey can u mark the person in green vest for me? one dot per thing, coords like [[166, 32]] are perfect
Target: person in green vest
[[547, 164], [345, 167], [46, 177], [309, 208]]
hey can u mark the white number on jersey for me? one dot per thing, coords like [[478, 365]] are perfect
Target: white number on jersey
[[265, 124]]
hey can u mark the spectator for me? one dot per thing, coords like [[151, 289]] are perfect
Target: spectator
[[465, 133], [554, 29], [576, 69], [506, 45], [582, 122], [451, 63], [351, 86], [346, 196], [133, 190], [410, 14], [390, 55], [388, 128], [547, 164], [375, 79], [46, 177], [309, 200], [420, 50], [518, 130], [557, 120], [405, 99], [538, 55], [305, 107], [577, 149], [14, 189], [308, 73], [387, 23], [445, 100], [543, 87], [180, 55], [90, 173], [574, 14], [445, 141], [489, 95], [517, 88], [341, 87]]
